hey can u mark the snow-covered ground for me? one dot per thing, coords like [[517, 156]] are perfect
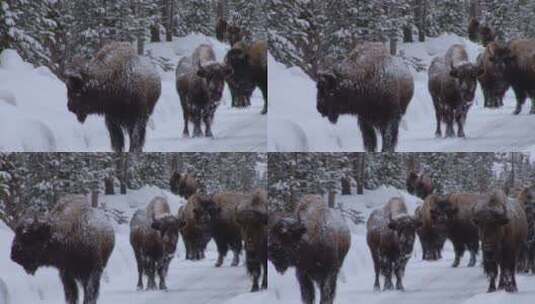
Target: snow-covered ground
[[295, 125], [187, 282], [425, 282], [34, 115]]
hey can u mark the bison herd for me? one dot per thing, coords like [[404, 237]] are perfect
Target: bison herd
[[125, 87], [378, 87]]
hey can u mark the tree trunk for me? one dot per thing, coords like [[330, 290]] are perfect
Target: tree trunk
[[94, 199], [155, 33], [421, 7], [359, 165], [108, 186], [331, 199], [393, 46], [169, 10], [346, 186], [407, 34]]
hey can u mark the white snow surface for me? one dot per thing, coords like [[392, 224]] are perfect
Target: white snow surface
[[295, 125], [425, 282], [188, 282], [34, 115]]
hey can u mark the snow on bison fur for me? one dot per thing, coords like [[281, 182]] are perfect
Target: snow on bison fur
[[492, 80], [452, 84], [248, 61], [200, 81], [315, 241], [153, 236], [184, 185], [252, 217], [197, 228], [74, 238], [390, 237], [503, 228], [374, 86], [516, 60], [120, 85]]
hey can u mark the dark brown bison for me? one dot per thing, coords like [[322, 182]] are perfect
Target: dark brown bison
[[491, 79], [74, 238], [153, 236], [229, 32], [248, 61], [453, 213], [184, 185], [200, 81], [252, 218], [374, 86], [197, 228], [503, 228], [516, 60], [390, 237], [452, 84], [419, 184], [526, 261], [120, 85], [432, 239], [315, 241], [220, 211]]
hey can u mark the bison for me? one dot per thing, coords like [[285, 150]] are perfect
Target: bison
[[491, 79], [315, 241], [153, 236], [252, 216], [503, 228], [390, 237], [432, 239], [184, 185], [420, 185], [197, 229], [527, 257], [248, 61], [200, 81], [74, 238], [371, 84], [453, 213], [452, 84], [516, 60], [229, 32], [120, 85]]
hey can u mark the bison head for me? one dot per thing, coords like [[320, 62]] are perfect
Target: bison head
[[183, 185], [327, 96], [501, 56], [206, 211], [405, 227], [31, 243], [168, 227], [466, 75], [284, 236], [79, 100], [443, 212], [492, 213], [234, 34], [214, 74]]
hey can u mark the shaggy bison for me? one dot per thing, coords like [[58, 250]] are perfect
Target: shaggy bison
[[374, 86], [516, 60], [200, 81], [420, 185], [197, 228], [153, 236], [184, 185], [74, 238], [452, 84], [491, 79], [249, 70], [229, 32], [527, 257], [432, 239], [315, 241], [120, 85], [453, 214], [503, 228], [391, 234], [252, 218]]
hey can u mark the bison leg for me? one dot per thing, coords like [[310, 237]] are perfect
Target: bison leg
[[208, 118], [137, 135], [69, 287], [196, 118], [386, 267], [185, 115], [92, 287], [399, 277], [263, 88], [473, 248], [438, 116], [459, 251], [377, 269], [520, 99], [328, 288], [461, 119], [265, 274], [116, 134], [162, 273], [390, 135], [368, 135], [222, 249], [236, 246], [449, 123], [253, 268], [139, 261], [306, 286], [151, 273]]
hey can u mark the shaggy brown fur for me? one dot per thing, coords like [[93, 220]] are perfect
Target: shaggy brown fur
[[315, 240], [184, 185], [420, 185], [120, 85], [492, 80], [74, 238], [432, 239], [371, 84], [197, 228], [526, 261], [503, 228], [390, 237]]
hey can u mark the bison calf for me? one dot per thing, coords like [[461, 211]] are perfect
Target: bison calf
[[153, 236], [120, 85], [75, 238], [374, 86], [503, 228], [252, 217], [200, 81], [184, 185], [390, 237], [315, 241]]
